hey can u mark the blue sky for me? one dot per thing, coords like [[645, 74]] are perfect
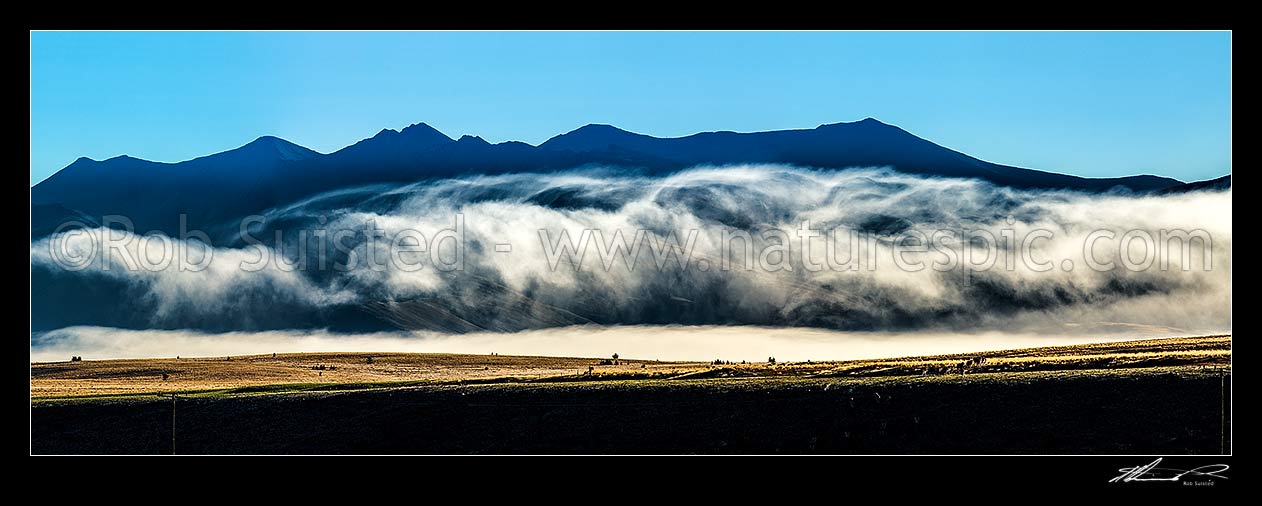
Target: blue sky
[[1093, 104]]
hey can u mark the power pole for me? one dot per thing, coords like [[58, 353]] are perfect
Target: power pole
[[172, 424], [1222, 409]]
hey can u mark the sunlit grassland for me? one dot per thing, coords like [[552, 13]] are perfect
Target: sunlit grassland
[[331, 372]]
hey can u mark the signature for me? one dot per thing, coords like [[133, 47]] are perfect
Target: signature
[[1151, 472]]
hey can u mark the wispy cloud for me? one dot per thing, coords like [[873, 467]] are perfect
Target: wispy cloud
[[499, 291]]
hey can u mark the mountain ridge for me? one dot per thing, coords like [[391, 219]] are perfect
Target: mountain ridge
[[270, 171]]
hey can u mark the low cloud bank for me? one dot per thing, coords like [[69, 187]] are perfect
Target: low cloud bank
[[511, 277], [700, 343]]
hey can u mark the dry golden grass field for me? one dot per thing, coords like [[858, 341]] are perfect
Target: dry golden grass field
[[313, 370], [134, 376]]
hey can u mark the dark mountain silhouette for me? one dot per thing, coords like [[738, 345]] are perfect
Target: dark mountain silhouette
[[152, 194], [270, 171], [866, 143], [46, 218], [1216, 184]]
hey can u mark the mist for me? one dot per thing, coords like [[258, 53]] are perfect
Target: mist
[[298, 301], [671, 342]]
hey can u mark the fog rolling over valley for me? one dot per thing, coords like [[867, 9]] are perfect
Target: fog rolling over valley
[[826, 257]]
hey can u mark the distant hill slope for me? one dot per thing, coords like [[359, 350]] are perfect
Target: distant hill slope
[[47, 218], [270, 171], [1216, 184]]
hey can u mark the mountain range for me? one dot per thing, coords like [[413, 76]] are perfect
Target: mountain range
[[270, 171]]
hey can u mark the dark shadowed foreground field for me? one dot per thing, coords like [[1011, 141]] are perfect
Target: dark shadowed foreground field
[[1161, 396]]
